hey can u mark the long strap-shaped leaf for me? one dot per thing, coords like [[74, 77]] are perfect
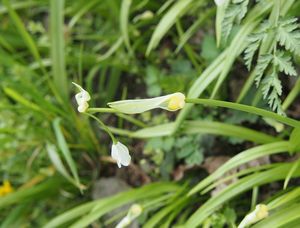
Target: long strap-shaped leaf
[[238, 187], [247, 108], [241, 158]]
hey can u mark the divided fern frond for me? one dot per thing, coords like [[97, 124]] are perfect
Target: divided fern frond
[[262, 64], [255, 40], [272, 90], [243, 9], [235, 12], [254, 43], [227, 24], [288, 35], [284, 64]]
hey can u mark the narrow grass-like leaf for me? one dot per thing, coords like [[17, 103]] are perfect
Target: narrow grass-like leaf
[[65, 149], [281, 217], [112, 50], [41, 190], [292, 95], [124, 18], [156, 219], [57, 47], [57, 162], [95, 209], [205, 127], [81, 12], [294, 167], [193, 28], [166, 23], [294, 140], [23, 32], [288, 197], [246, 108], [241, 158], [22, 100], [235, 189]]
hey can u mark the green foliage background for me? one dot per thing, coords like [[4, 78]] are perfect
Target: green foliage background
[[244, 52]]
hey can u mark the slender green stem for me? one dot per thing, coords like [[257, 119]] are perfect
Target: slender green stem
[[104, 127], [122, 115], [102, 110], [292, 96], [254, 197], [246, 108], [132, 120]]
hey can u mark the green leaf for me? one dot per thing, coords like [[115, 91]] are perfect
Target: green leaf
[[124, 17], [62, 144], [242, 185], [294, 140], [246, 108], [281, 217], [288, 35], [95, 209], [58, 164], [284, 64], [254, 42], [241, 158], [205, 127], [22, 100], [25, 35], [262, 64], [167, 22], [57, 47], [290, 173]]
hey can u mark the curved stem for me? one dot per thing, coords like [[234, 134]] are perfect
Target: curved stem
[[102, 110], [105, 128], [292, 96], [246, 108]]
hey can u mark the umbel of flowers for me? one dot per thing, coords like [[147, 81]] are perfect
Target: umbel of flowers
[[119, 152]]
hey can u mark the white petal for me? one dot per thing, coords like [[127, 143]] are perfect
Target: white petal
[[120, 153], [83, 107], [219, 2], [142, 105], [82, 96]]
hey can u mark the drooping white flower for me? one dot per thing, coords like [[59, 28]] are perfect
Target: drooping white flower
[[260, 212], [171, 102], [220, 2], [82, 98], [120, 153], [134, 211]]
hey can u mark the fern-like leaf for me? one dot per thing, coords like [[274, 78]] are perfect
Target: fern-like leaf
[[262, 64], [272, 90], [288, 35], [284, 64], [234, 12], [254, 43], [231, 12]]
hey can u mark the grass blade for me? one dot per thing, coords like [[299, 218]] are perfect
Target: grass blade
[[124, 17], [65, 150], [57, 47], [166, 23]]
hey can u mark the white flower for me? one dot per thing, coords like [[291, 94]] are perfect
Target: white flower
[[120, 153], [171, 102], [220, 2], [260, 212], [82, 98], [134, 211]]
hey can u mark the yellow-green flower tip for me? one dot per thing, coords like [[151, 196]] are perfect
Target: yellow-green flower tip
[[262, 211], [176, 102]]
